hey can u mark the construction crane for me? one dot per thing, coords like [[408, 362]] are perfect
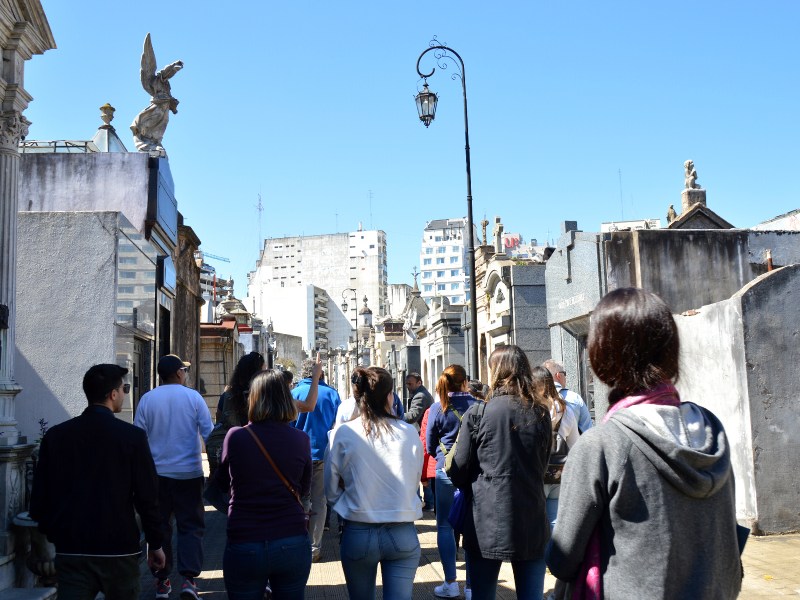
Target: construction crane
[[215, 257]]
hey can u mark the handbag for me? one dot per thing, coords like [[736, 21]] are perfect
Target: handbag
[[458, 511], [558, 458], [216, 497], [278, 471]]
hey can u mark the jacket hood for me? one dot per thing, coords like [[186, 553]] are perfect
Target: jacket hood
[[687, 445]]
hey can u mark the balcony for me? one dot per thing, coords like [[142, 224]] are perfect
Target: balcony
[[321, 329], [321, 318], [321, 307]]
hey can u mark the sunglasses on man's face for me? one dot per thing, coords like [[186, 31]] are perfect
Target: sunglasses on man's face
[[126, 388]]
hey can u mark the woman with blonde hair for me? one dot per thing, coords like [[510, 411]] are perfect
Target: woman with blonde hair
[[500, 460], [372, 473], [266, 468], [444, 422]]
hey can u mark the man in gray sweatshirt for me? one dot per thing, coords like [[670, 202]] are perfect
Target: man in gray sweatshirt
[[658, 483]]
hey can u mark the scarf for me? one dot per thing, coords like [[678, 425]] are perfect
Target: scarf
[[588, 585]]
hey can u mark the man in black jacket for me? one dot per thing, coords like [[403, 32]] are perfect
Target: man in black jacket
[[420, 400], [93, 471]]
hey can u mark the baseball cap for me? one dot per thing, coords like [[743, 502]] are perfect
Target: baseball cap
[[170, 364]]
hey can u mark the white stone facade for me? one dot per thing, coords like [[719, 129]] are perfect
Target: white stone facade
[[333, 263], [444, 260]]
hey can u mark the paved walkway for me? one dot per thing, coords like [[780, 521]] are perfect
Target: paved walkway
[[771, 564]]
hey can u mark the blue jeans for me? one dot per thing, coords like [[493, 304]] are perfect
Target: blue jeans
[[445, 538], [551, 492], [394, 545], [284, 563], [528, 578]]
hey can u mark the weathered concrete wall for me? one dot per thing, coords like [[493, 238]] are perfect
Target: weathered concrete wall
[[686, 269], [529, 312], [75, 182], [575, 276], [186, 329], [66, 309], [290, 347], [785, 246], [771, 326], [713, 374]]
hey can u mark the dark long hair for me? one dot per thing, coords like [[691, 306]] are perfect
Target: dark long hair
[[371, 398], [633, 342], [545, 386], [510, 373], [248, 365]]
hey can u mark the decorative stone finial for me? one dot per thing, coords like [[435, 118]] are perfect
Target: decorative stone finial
[[107, 114], [498, 236], [484, 223]]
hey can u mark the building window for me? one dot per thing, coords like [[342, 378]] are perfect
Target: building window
[[453, 286], [440, 273], [439, 261], [456, 248], [428, 250], [372, 245], [453, 259], [440, 287], [454, 273], [441, 250], [468, 295], [362, 237], [127, 260], [426, 275], [438, 238], [428, 288], [427, 261], [456, 299]]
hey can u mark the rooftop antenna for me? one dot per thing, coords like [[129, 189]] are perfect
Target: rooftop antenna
[[260, 209], [621, 203], [370, 210]]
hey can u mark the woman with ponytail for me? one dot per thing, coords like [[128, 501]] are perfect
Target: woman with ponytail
[[372, 473], [444, 422]]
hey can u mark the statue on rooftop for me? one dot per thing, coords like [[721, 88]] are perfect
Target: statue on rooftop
[[690, 175], [484, 223], [149, 125], [671, 214]]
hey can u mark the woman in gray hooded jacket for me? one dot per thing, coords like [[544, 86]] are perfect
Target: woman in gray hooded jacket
[[647, 505]]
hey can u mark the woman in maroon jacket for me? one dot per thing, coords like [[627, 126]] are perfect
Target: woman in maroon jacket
[[267, 533]]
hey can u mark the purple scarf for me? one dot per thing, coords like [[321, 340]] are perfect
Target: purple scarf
[[589, 580]]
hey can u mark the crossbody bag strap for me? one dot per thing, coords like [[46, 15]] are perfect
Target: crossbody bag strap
[[441, 445], [275, 467]]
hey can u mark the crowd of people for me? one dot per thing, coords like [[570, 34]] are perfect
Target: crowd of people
[[638, 506]]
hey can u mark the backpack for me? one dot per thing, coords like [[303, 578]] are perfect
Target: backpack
[[448, 456], [558, 457]]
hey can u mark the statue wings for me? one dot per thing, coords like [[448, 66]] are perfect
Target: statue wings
[[149, 67]]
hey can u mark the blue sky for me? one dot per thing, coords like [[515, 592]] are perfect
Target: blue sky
[[311, 105]]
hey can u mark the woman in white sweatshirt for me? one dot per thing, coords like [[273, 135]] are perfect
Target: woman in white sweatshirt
[[372, 473]]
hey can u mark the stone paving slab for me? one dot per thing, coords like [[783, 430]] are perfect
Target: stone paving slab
[[771, 564]]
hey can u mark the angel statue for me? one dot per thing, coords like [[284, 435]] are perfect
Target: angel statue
[[149, 125]]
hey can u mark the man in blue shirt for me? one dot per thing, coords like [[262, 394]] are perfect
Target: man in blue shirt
[[571, 398], [316, 424]]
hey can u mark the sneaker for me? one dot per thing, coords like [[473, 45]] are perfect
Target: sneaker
[[427, 508], [189, 589], [317, 558], [467, 593], [163, 588], [448, 590], [268, 593], [327, 526]]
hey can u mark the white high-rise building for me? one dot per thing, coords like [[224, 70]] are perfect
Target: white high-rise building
[[444, 259], [335, 263]]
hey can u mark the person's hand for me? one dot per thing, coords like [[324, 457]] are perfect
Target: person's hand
[[316, 371], [156, 559], [426, 483]]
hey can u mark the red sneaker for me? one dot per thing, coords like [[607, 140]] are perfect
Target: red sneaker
[[163, 588], [189, 590]]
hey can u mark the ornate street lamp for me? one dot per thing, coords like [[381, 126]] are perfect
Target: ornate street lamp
[[426, 106], [344, 301]]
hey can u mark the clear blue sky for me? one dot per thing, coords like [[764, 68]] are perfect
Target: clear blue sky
[[311, 104]]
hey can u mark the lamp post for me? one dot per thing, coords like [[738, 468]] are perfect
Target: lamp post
[[426, 106]]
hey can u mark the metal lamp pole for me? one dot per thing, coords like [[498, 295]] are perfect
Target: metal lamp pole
[[426, 105]]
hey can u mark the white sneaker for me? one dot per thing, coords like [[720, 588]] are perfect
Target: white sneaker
[[468, 593], [448, 590]]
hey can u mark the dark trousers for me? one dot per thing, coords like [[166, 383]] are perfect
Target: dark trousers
[[81, 577], [184, 499], [284, 563]]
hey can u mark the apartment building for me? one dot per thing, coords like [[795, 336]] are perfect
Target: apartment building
[[346, 266], [444, 259]]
